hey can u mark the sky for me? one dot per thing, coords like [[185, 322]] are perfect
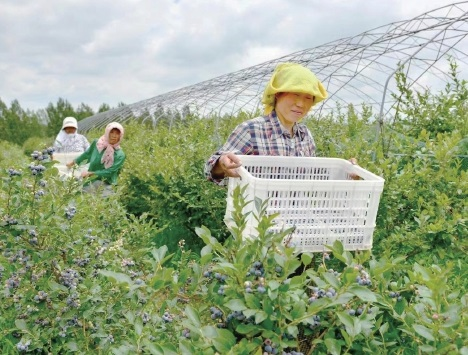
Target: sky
[[113, 51]]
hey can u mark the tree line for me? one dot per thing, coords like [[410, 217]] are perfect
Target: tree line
[[18, 124]]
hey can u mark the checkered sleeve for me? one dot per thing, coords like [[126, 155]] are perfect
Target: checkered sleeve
[[238, 142]]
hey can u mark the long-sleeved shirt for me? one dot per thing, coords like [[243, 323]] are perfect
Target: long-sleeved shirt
[[93, 156], [73, 143], [265, 136]]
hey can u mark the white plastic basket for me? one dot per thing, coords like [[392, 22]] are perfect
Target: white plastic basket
[[317, 196], [63, 159]]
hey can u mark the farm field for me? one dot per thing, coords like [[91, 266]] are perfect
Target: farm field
[[155, 270]]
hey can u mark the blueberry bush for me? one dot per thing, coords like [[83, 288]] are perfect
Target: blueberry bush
[[153, 269]]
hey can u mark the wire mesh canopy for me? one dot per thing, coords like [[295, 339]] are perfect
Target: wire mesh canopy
[[358, 70]]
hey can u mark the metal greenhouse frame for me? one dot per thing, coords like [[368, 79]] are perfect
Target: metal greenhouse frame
[[358, 70]]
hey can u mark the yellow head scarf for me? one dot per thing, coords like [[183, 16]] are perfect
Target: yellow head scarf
[[292, 77]]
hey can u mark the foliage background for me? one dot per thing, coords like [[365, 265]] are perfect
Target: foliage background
[[154, 269]]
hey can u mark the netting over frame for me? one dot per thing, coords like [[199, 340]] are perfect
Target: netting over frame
[[355, 70]]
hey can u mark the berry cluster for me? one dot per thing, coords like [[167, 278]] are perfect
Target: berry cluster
[[70, 278], [70, 212], [23, 345], [20, 256], [395, 295], [145, 317], [39, 193], [186, 333], [216, 313], [13, 172], [33, 237], [217, 275], [36, 169], [127, 262], [355, 312], [221, 290], [220, 277], [315, 323], [363, 278], [41, 296], [331, 271], [82, 262], [257, 269], [167, 317], [12, 282], [235, 315], [73, 300], [44, 155], [269, 347], [320, 293], [10, 221]]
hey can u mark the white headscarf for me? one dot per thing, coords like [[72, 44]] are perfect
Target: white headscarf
[[64, 139]]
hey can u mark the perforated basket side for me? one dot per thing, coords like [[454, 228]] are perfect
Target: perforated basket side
[[315, 197]]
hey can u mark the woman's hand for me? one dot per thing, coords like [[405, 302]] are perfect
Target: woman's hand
[[354, 162], [86, 174], [227, 165]]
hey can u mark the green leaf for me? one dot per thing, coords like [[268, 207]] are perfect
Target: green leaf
[[333, 346], [293, 330], [225, 341], [157, 284], [54, 286], [138, 326], [209, 331], [252, 301], [248, 329], [424, 332], [193, 316], [347, 321], [273, 285], [427, 349], [21, 324], [298, 310], [206, 254], [72, 346], [119, 277], [306, 258], [331, 279], [363, 293], [383, 329], [236, 305], [260, 316], [159, 254]]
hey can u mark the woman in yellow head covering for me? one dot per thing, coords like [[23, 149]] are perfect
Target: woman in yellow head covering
[[292, 78], [289, 95]]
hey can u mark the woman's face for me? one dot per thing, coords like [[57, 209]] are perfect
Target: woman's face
[[114, 136], [291, 107], [69, 130]]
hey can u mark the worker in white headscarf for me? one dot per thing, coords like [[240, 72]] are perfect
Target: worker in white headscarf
[[69, 140]]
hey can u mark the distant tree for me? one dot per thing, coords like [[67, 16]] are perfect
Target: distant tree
[[83, 111], [56, 114], [17, 125], [103, 108]]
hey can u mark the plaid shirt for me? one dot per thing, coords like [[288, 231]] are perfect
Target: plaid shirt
[[265, 136]]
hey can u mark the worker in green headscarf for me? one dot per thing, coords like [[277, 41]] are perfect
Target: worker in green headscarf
[[289, 95]]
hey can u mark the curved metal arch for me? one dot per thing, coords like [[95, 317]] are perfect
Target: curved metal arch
[[356, 70]]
